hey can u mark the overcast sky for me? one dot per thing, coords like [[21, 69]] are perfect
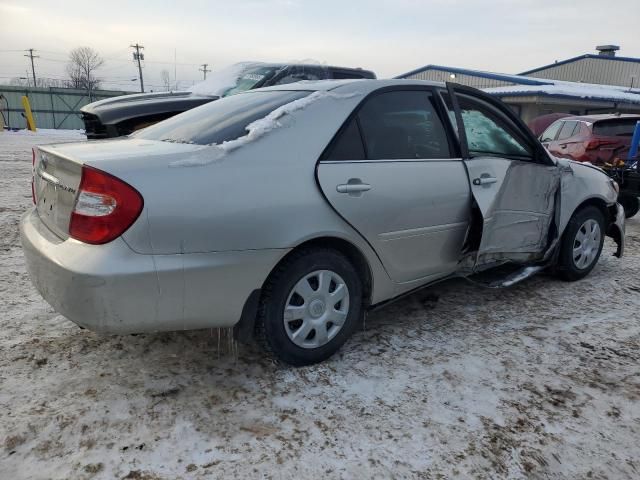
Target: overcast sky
[[387, 36]]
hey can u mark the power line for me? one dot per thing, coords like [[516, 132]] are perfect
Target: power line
[[33, 69], [204, 70], [139, 56]]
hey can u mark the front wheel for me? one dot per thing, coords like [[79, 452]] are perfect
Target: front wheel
[[581, 244], [310, 306]]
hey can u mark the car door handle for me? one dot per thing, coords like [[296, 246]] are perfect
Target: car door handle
[[484, 180], [353, 187]]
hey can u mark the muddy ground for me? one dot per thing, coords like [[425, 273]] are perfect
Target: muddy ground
[[538, 381]]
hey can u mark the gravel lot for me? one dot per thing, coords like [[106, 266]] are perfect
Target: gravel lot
[[538, 381]]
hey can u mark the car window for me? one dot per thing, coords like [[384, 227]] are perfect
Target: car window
[[252, 78], [402, 125], [221, 120], [489, 132], [615, 128], [549, 135], [348, 144], [567, 130], [297, 74]]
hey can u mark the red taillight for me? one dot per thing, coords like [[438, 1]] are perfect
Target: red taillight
[[595, 143], [105, 207], [33, 175]]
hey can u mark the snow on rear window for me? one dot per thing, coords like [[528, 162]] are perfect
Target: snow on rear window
[[221, 120]]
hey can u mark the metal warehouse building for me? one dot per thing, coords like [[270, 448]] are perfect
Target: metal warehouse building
[[582, 85], [604, 69]]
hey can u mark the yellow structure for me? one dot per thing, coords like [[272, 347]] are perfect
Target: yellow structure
[[31, 124]]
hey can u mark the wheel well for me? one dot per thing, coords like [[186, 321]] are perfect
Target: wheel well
[[350, 251], [600, 205]]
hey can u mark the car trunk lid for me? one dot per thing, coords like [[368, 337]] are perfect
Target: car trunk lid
[[55, 182]]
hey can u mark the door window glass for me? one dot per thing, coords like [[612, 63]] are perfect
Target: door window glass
[[489, 132], [567, 130], [549, 135], [403, 125]]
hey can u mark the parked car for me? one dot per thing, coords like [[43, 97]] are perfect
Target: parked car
[[292, 209], [602, 140], [118, 116], [541, 123], [597, 139]]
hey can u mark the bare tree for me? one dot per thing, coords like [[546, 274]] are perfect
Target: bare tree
[[166, 79], [83, 62]]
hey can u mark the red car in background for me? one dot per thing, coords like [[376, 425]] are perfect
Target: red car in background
[[602, 140]]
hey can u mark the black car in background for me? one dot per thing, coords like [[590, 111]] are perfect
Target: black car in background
[[114, 117]]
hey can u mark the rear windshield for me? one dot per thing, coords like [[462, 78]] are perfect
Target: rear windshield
[[615, 128], [221, 120]]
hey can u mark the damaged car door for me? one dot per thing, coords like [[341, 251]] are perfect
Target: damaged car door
[[514, 183]]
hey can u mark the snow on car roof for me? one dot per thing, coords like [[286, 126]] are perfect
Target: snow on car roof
[[360, 84]]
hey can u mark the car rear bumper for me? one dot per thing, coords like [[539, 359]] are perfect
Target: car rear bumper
[[110, 288]]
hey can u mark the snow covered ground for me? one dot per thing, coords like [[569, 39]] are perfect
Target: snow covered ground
[[538, 381]]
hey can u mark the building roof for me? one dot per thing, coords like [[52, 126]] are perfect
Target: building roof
[[505, 77], [526, 86], [570, 90], [581, 57]]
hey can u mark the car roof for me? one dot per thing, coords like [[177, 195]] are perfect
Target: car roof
[[351, 85], [602, 116]]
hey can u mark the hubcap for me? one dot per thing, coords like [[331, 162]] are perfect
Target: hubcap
[[586, 244], [316, 309]]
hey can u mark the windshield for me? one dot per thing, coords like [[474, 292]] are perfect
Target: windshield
[[219, 121], [235, 79], [252, 78]]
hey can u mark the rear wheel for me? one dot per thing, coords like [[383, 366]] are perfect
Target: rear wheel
[[581, 244], [630, 203], [310, 306]]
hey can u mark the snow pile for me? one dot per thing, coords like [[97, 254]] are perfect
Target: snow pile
[[258, 129], [224, 79], [572, 89], [47, 132]]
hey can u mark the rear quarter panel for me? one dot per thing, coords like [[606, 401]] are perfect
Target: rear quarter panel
[[261, 196]]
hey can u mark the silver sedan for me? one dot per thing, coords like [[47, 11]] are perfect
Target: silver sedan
[[288, 211]]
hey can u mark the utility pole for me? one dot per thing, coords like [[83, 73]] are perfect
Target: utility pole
[[139, 56], [204, 70], [33, 69]]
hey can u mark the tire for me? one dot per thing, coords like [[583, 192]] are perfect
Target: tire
[[307, 284], [630, 203], [581, 244]]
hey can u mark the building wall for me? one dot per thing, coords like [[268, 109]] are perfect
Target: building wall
[[530, 107], [594, 70], [470, 80], [51, 107]]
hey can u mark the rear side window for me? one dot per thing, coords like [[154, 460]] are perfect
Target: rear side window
[[402, 125], [567, 130], [615, 128], [549, 135], [221, 120], [348, 145]]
